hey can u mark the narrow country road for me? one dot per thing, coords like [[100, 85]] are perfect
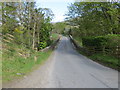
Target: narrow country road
[[66, 68]]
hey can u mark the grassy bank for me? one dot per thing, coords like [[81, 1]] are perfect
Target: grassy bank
[[54, 36], [18, 60], [17, 66], [104, 59], [78, 40]]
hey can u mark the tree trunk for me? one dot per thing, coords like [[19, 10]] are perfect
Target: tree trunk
[[33, 46], [38, 41]]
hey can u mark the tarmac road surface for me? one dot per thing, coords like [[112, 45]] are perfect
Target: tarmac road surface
[[66, 68]]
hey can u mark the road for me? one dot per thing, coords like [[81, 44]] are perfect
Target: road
[[66, 68]]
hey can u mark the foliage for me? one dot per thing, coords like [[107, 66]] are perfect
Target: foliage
[[106, 60], [98, 41], [102, 58], [59, 27], [94, 18], [54, 36], [108, 41], [14, 65], [28, 24], [97, 26], [113, 40], [42, 45], [25, 28]]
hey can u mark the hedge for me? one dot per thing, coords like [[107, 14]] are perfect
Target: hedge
[[100, 41], [106, 44], [94, 41]]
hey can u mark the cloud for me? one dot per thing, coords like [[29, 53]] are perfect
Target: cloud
[[58, 18]]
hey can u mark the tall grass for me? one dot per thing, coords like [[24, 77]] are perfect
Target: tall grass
[[106, 60], [54, 36], [14, 65]]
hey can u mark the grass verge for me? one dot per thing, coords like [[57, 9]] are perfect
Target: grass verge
[[17, 66], [54, 36], [104, 59]]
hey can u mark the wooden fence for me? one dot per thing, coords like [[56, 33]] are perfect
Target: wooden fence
[[115, 51], [110, 51]]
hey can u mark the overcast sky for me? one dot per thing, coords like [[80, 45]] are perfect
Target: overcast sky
[[59, 7]]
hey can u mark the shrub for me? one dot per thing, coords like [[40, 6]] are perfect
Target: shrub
[[99, 41], [42, 45], [113, 40], [108, 44]]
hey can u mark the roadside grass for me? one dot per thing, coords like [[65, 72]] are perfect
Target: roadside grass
[[42, 56], [18, 61], [78, 41], [15, 66], [54, 36], [104, 59]]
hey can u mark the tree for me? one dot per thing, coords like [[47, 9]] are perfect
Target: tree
[[27, 23], [94, 18]]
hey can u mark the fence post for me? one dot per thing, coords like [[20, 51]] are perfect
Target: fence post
[[117, 52]]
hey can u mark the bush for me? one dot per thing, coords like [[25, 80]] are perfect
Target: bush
[[99, 41], [49, 42], [108, 44], [113, 40], [42, 45]]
